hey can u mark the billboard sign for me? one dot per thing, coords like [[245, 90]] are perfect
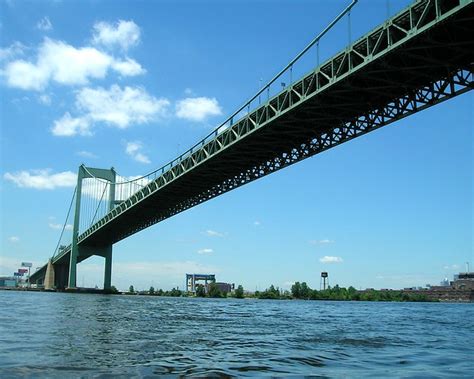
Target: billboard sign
[[26, 264], [23, 270], [17, 274]]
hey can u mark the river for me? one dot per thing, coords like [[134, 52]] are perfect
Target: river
[[81, 335]]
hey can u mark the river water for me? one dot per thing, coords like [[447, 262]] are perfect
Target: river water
[[79, 335]]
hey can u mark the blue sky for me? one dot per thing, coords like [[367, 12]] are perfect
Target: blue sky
[[130, 85]]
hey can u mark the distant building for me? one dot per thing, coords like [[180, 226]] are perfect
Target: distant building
[[464, 281], [444, 283], [7, 281], [191, 280], [460, 289]]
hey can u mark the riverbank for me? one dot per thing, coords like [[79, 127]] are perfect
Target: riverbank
[[302, 293]]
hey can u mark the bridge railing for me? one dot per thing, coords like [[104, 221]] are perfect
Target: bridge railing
[[129, 191], [97, 190], [279, 82], [247, 116]]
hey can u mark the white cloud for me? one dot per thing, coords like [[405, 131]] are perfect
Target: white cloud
[[329, 259], [188, 92], [14, 239], [321, 242], [325, 241], [44, 99], [213, 233], [197, 108], [128, 67], [42, 179], [18, 100], [44, 24], [257, 223], [65, 64], [86, 154], [142, 158], [52, 225], [205, 251], [114, 106], [123, 34], [25, 75], [14, 50], [452, 267], [133, 149], [120, 107], [68, 126]]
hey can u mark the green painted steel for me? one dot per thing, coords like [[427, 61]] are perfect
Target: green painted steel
[[416, 59], [108, 268], [387, 38], [76, 250]]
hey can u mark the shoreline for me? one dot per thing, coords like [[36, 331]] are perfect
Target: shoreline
[[461, 297]]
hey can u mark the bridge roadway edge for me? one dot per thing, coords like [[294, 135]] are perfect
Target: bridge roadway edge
[[322, 113]]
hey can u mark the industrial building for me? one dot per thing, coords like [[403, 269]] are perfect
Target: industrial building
[[460, 289], [8, 281], [192, 279]]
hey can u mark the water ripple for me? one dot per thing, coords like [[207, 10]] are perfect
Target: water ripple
[[92, 336]]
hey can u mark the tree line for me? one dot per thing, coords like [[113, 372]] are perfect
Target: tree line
[[213, 291], [298, 290], [304, 292]]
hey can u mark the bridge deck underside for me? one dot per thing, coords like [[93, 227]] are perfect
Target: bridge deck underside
[[418, 73], [428, 58]]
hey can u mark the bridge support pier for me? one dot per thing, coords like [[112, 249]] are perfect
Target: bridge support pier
[[49, 282], [108, 268], [61, 275]]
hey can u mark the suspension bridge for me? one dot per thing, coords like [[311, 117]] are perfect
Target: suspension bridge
[[416, 59]]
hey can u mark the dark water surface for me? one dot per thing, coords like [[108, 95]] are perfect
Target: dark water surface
[[78, 335]]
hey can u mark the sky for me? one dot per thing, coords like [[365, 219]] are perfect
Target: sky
[[130, 85]]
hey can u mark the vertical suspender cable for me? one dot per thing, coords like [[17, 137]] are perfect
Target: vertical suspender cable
[[65, 223]]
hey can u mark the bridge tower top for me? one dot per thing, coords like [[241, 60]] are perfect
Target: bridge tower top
[[83, 173]]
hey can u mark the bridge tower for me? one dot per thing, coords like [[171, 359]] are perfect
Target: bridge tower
[[78, 250]]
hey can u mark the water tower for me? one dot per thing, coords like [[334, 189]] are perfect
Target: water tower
[[324, 279]]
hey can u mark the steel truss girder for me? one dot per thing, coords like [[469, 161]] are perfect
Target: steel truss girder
[[324, 82], [434, 93]]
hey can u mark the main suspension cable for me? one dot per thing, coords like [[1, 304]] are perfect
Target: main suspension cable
[[65, 222]]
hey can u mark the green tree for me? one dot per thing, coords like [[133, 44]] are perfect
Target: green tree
[[151, 291], [175, 292], [296, 290], [112, 290], [239, 292], [269, 293], [305, 291], [214, 290], [200, 291], [131, 289], [315, 295]]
